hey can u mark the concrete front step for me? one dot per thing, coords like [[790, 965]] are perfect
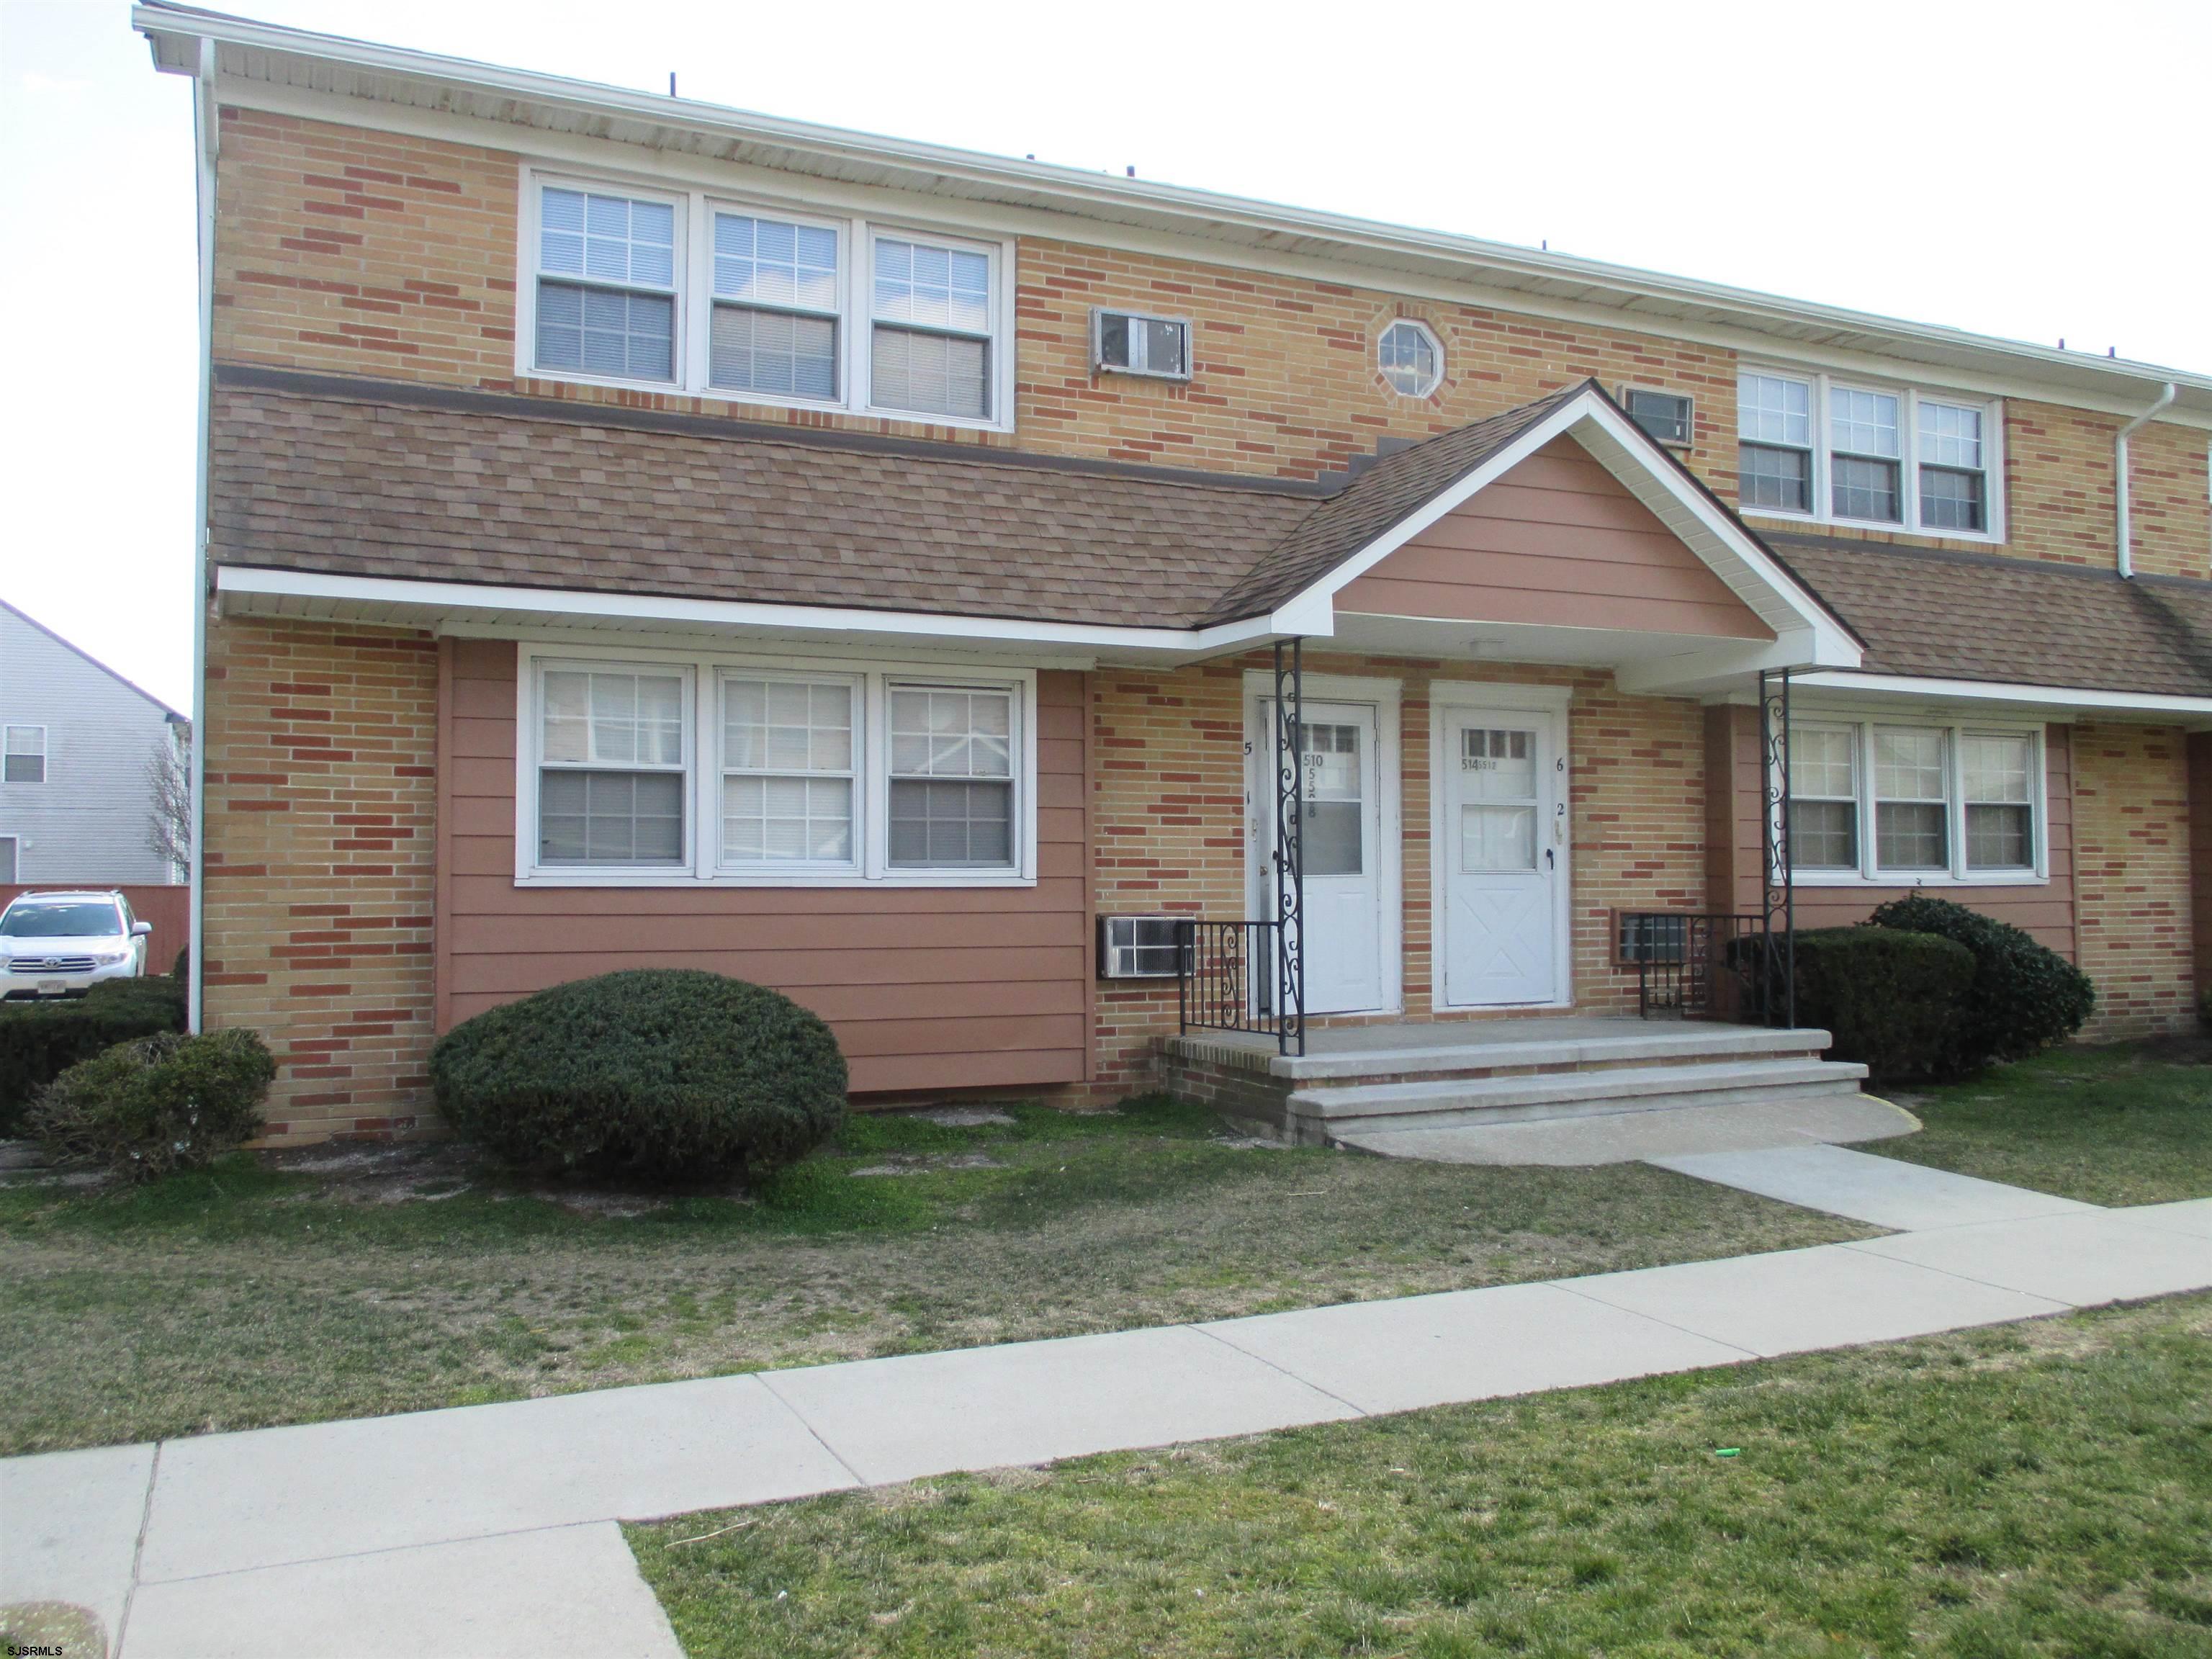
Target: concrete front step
[[1471, 1051], [1318, 1114]]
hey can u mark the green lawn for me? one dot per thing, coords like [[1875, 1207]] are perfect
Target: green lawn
[[2106, 1126], [268, 1292], [2041, 1489]]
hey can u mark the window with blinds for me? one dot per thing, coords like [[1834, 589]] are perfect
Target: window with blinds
[[612, 778], [930, 338], [606, 284]]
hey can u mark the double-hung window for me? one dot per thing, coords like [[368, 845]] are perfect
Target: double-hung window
[[1812, 447], [790, 765], [951, 777], [1774, 419], [24, 755], [776, 300], [613, 774], [1899, 805], [691, 292], [930, 328], [772, 773], [606, 284]]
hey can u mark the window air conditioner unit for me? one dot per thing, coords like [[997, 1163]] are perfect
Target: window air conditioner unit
[[1129, 343], [1140, 947], [1666, 415]]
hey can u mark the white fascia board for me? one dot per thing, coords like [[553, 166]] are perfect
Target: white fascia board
[[539, 603], [1996, 691], [1105, 198], [1723, 546]]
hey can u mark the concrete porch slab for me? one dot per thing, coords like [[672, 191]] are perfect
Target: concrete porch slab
[[521, 1596], [225, 1503], [1627, 1137], [2082, 1259], [69, 1527], [1419, 1350], [1031, 1402], [1564, 1039], [1882, 1191], [1794, 1301]]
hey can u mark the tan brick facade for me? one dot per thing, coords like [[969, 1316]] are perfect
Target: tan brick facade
[[321, 760], [2132, 858]]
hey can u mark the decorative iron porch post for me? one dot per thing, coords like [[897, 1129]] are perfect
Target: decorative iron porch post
[[1780, 885], [1290, 847]]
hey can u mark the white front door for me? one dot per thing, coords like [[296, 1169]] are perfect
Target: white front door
[[1341, 835], [1502, 847]]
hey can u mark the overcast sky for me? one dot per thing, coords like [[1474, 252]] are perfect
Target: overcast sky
[[2030, 168]]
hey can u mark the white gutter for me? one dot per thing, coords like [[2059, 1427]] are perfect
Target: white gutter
[[207, 134], [2126, 562], [1997, 691], [541, 603]]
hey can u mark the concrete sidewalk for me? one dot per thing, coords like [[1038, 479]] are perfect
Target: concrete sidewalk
[[488, 1531]]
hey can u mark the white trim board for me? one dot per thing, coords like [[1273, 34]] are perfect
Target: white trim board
[[2052, 702]]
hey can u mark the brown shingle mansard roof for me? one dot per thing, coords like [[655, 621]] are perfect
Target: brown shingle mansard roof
[[367, 478]]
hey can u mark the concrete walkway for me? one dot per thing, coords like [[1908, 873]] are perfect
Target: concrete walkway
[[488, 1531]]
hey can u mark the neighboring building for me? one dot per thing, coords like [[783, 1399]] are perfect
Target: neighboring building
[[646, 533], [77, 784]]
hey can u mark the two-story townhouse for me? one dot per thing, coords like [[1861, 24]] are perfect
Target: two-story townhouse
[[644, 533], [80, 749]]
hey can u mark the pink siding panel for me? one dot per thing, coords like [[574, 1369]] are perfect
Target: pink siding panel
[[926, 989]]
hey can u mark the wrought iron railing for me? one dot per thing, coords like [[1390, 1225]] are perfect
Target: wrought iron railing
[[1706, 967], [1232, 979]]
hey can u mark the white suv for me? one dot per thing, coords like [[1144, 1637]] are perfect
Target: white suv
[[59, 944]]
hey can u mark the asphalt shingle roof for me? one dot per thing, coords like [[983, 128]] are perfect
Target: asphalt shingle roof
[[366, 479]]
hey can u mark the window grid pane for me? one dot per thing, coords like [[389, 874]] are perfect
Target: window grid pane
[[1777, 478], [599, 330], [1951, 500], [1951, 436], [951, 823], [931, 374], [1772, 410], [595, 717], [2000, 815], [773, 352], [773, 261], [610, 817], [1863, 423], [1865, 489], [933, 287], [608, 238]]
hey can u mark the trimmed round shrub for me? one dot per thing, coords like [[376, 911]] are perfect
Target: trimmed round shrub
[[661, 1073], [39, 1041], [1893, 1001], [2026, 995], [157, 1103]]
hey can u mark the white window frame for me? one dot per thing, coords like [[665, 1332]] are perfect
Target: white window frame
[[1821, 384], [687, 766], [1434, 345], [702, 746], [44, 751], [768, 869], [694, 296], [1956, 730], [1100, 366]]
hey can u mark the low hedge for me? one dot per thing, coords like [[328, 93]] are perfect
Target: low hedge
[[156, 1104], [2025, 996], [39, 1041], [663, 1073], [1892, 1000]]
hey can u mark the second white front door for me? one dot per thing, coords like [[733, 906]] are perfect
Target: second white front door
[[1502, 851], [1342, 835]]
